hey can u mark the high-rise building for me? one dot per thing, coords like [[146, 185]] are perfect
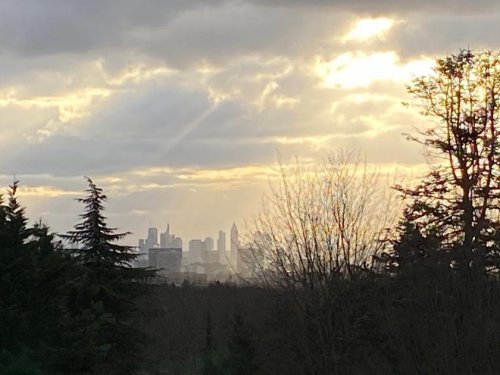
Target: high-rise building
[[168, 240], [209, 243], [166, 255], [235, 243], [166, 260], [152, 240], [142, 247], [221, 247], [197, 250], [142, 252]]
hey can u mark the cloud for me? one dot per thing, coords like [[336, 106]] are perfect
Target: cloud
[[351, 70], [443, 34], [367, 29], [387, 6], [178, 107]]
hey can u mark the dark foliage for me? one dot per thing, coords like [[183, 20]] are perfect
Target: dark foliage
[[38, 280], [460, 195], [403, 324], [62, 313], [110, 284]]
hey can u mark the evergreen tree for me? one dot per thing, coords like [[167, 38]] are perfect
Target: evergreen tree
[[461, 194], [413, 251], [111, 284], [241, 350], [17, 271]]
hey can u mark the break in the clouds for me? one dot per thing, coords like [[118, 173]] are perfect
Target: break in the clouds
[[179, 108]]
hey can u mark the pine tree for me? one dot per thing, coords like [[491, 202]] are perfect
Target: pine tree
[[40, 330], [96, 240], [111, 283], [413, 252], [17, 271]]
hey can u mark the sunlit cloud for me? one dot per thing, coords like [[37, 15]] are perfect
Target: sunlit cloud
[[271, 98], [368, 29], [135, 73], [360, 69], [154, 177], [224, 175], [71, 106], [314, 142], [45, 191]]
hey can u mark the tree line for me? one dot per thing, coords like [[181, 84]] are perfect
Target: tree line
[[65, 308]]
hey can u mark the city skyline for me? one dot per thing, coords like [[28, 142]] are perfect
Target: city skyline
[[217, 243]]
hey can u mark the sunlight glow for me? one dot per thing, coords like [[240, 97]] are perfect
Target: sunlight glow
[[369, 28], [315, 142], [45, 191], [71, 106], [351, 70]]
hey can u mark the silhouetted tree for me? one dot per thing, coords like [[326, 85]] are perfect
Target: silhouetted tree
[[413, 251], [111, 284], [17, 272], [37, 324], [241, 350], [460, 195], [321, 222]]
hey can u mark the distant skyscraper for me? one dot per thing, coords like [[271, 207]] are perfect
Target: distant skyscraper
[[142, 246], [152, 239], [209, 243], [234, 239], [235, 243], [167, 260], [221, 247], [168, 240], [197, 250], [142, 259]]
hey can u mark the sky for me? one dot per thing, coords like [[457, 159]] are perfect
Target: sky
[[179, 109]]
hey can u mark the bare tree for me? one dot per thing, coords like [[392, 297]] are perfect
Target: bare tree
[[319, 225], [321, 222]]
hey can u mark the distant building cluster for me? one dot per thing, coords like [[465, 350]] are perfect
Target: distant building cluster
[[201, 261]]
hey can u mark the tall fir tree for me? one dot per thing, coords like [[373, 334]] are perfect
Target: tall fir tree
[[111, 284]]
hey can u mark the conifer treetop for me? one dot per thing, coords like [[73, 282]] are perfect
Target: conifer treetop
[[96, 241]]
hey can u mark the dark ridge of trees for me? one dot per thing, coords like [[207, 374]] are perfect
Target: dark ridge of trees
[[381, 325], [66, 312]]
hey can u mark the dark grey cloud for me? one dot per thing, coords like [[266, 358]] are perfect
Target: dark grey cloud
[[221, 34], [183, 33], [438, 35], [388, 6], [53, 26]]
